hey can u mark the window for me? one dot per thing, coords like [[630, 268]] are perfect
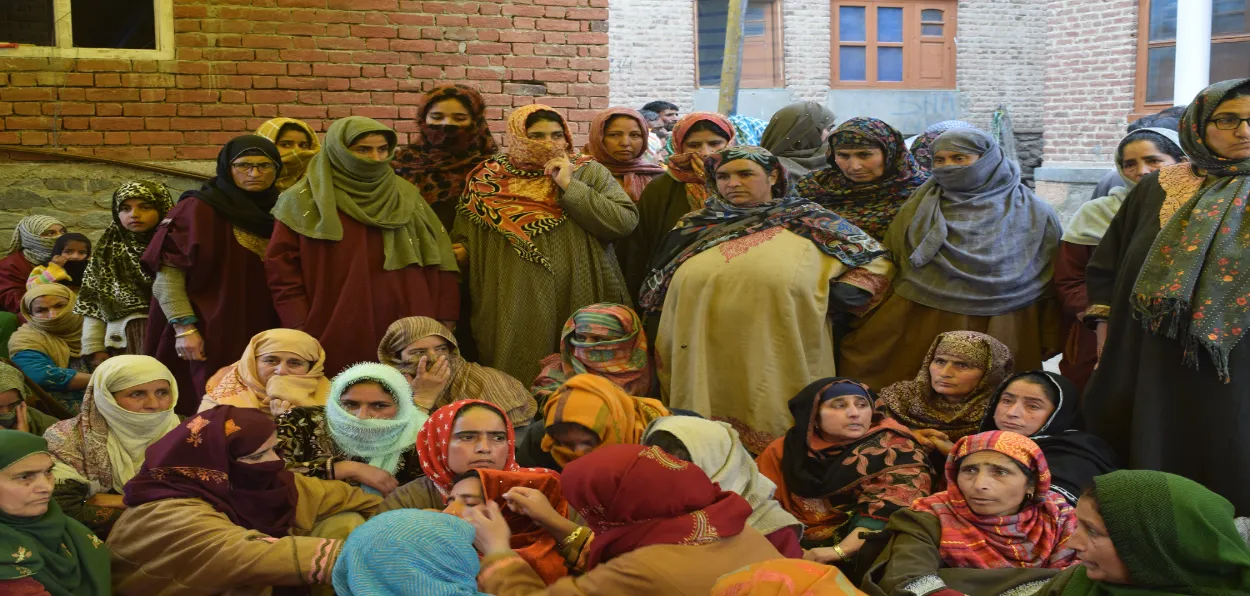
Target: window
[[901, 44], [1156, 48], [88, 28], [761, 43]]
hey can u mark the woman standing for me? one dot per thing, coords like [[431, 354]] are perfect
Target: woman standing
[[618, 140], [1171, 258], [796, 136], [31, 246], [296, 142]]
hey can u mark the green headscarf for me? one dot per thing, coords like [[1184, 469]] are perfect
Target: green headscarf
[[369, 192], [10, 379], [1175, 536], [58, 552]]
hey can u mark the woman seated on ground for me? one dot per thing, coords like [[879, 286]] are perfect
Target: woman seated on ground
[[409, 552], [786, 577], [297, 144], [213, 510], [70, 254], [845, 466], [42, 550], [429, 357], [997, 512], [716, 449], [32, 242], [47, 348], [601, 339], [281, 370], [1045, 406], [15, 414], [128, 406], [368, 435], [661, 527]]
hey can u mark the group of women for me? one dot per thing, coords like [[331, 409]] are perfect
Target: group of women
[[531, 433]]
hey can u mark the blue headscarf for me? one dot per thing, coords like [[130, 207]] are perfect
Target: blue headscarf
[[409, 551], [379, 442]]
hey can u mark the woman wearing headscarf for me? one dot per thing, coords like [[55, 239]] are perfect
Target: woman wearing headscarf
[[407, 552], [31, 246], [716, 449], [297, 143], [997, 512], [618, 140], [48, 347], [1141, 152], [429, 357], [352, 232], [786, 577], [757, 262], [127, 407], [748, 130], [278, 364], [212, 510], [42, 551], [15, 413], [795, 136], [600, 339], [116, 291], [70, 255], [922, 145], [1171, 260], [209, 295], [974, 248], [537, 224], [870, 175]]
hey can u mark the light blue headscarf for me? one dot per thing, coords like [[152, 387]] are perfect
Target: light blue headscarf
[[379, 442], [409, 551]]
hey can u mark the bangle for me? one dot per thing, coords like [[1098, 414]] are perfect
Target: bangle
[[571, 538], [191, 331], [841, 554]]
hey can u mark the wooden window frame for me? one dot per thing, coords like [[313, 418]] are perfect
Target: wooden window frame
[[911, 44], [1140, 107], [779, 45], [64, 48]]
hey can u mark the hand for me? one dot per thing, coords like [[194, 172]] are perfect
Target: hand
[[934, 439], [97, 359], [561, 170], [849, 545], [533, 504], [190, 347], [278, 407], [60, 260], [107, 500], [492, 535], [23, 424], [462, 254], [427, 385], [375, 478], [1100, 331]]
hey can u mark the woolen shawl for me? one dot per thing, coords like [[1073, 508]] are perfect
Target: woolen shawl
[[439, 157], [240, 383], [28, 238], [59, 338], [1092, 219], [115, 284], [620, 354], [794, 135], [294, 162], [380, 442], [408, 552], [243, 209], [599, 405], [921, 146], [635, 173], [434, 438]]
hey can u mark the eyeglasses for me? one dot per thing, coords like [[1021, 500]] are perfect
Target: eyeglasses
[[1229, 122], [263, 168]]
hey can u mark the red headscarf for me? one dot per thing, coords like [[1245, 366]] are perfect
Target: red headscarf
[[199, 460], [433, 438], [440, 157], [634, 496], [688, 167], [530, 540], [1037, 536], [635, 172]]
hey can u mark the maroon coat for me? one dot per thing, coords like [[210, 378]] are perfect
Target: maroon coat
[[14, 270], [339, 293], [1080, 352]]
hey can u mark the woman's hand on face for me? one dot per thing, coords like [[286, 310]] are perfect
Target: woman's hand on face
[[278, 407], [561, 170], [60, 260], [23, 423], [491, 535], [375, 478], [427, 385]]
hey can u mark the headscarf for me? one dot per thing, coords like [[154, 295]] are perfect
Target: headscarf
[[244, 209], [687, 166], [1175, 536], [440, 157], [786, 577], [511, 194], [12, 379], [434, 437], [1091, 221], [59, 338], [915, 404], [469, 380], [748, 130], [974, 239], [408, 551], [1189, 287], [599, 405], [621, 356], [530, 540], [716, 449], [721, 221], [295, 162], [104, 445], [199, 460], [636, 172], [54, 549], [116, 285], [869, 205], [920, 146], [1036, 536], [28, 239], [369, 192], [1075, 457], [794, 136], [379, 442], [633, 496], [240, 383]]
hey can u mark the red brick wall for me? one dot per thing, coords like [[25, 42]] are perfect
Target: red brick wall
[[241, 62]]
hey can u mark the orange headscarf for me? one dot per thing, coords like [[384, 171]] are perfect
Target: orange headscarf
[[786, 577], [601, 406], [531, 541]]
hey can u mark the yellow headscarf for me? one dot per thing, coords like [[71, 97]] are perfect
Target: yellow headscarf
[[59, 338], [129, 433], [240, 384], [294, 163], [601, 406]]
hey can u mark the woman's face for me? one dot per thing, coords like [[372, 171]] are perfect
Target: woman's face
[[860, 164], [291, 139], [576, 438], [465, 494], [138, 215], [1233, 143], [546, 131], [149, 398], [845, 418], [479, 440], [993, 483], [954, 377], [76, 250], [449, 112], [281, 364], [745, 183], [26, 486], [53, 231], [431, 347], [372, 147], [1094, 548], [624, 139], [265, 453], [46, 308], [703, 142], [947, 158], [253, 173], [1023, 408], [1142, 157], [368, 400]]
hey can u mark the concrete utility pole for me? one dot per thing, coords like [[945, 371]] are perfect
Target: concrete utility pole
[[731, 69], [1193, 50]]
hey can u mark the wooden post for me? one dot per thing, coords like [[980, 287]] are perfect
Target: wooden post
[[731, 69]]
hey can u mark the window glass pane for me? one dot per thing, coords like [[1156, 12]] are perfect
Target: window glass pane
[[713, 15], [1162, 20], [931, 15], [129, 24], [851, 23], [1230, 16], [890, 24], [1160, 74], [852, 63], [27, 21], [755, 21], [1230, 61], [890, 64], [931, 30]]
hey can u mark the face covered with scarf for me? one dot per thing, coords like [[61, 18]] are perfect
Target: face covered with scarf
[[282, 364], [602, 339], [13, 394], [52, 327], [34, 236], [297, 144], [589, 412], [530, 150], [445, 146], [786, 577], [370, 415]]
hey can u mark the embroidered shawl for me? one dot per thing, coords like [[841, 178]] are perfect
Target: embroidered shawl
[[616, 350]]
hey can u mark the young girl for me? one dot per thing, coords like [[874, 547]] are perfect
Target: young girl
[[66, 265]]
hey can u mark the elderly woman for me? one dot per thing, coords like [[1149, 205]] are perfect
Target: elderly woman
[[795, 134], [280, 369], [297, 144], [128, 406], [600, 339], [31, 246], [429, 356], [408, 552], [974, 248], [1171, 259], [618, 140], [14, 412], [42, 550], [787, 262], [48, 347]]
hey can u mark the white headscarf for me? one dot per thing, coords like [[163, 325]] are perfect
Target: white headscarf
[[130, 433]]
